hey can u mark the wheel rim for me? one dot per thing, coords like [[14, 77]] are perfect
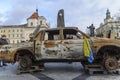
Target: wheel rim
[[111, 64], [24, 62]]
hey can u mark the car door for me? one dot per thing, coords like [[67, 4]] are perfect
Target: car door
[[72, 45], [50, 48], [37, 45]]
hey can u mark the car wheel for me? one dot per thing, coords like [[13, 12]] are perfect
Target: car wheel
[[111, 63], [24, 62]]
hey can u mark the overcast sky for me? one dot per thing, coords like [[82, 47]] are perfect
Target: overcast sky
[[80, 13]]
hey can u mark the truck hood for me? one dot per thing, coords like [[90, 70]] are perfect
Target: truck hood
[[105, 41]]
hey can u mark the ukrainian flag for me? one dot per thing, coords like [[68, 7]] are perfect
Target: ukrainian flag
[[87, 50]]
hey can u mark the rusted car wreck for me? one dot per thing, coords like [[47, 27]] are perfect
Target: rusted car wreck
[[62, 44]]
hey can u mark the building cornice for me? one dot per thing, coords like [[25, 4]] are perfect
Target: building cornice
[[108, 23], [13, 26]]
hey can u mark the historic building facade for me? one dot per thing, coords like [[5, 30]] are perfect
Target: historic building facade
[[110, 28], [19, 33]]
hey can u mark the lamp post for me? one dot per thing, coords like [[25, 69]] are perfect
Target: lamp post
[[111, 27], [117, 31]]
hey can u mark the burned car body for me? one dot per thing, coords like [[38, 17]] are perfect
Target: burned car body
[[8, 52], [63, 44]]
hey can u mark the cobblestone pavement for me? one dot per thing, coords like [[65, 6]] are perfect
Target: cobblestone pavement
[[9, 73], [54, 71], [74, 71]]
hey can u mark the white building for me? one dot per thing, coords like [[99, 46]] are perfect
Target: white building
[[110, 27], [19, 33]]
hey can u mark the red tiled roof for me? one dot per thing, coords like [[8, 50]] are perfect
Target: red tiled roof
[[34, 16]]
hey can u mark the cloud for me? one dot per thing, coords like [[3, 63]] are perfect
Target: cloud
[[2, 18], [16, 15], [81, 13]]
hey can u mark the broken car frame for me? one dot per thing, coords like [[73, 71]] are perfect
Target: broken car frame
[[62, 44]]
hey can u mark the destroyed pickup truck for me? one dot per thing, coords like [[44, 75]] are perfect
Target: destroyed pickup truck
[[63, 44]]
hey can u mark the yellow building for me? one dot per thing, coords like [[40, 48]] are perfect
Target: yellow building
[[110, 28], [19, 33]]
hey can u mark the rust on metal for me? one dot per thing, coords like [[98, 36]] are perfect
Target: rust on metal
[[49, 44], [64, 43], [61, 44]]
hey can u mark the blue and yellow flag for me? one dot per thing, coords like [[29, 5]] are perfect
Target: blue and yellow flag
[[87, 50]]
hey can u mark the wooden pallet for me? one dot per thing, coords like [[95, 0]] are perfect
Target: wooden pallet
[[116, 72], [93, 66], [98, 69], [31, 70]]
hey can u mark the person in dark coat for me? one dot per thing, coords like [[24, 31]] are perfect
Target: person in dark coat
[[3, 41]]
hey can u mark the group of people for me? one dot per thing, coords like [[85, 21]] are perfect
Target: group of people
[[3, 41]]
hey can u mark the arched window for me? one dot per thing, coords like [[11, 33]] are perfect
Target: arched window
[[40, 22], [31, 23]]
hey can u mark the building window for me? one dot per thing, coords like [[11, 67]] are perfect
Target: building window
[[17, 30], [17, 41], [31, 23], [13, 30], [9, 35], [21, 35], [40, 22], [13, 35], [17, 35], [21, 30], [117, 34], [9, 31], [13, 41], [4, 30]]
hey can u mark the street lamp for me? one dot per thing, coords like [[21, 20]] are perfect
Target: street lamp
[[111, 27], [117, 31]]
